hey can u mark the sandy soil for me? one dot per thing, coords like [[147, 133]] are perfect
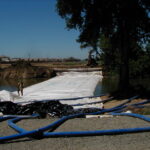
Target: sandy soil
[[136, 141]]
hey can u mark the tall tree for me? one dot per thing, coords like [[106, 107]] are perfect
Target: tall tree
[[119, 20]]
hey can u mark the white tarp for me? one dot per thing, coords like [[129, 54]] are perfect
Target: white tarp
[[65, 86]]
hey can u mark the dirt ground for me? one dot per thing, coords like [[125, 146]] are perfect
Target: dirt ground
[[53, 64], [136, 141], [130, 141], [115, 102]]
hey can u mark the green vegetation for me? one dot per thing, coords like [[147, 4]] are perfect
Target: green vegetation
[[119, 28]]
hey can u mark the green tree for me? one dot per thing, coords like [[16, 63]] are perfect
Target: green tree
[[119, 20], [109, 57]]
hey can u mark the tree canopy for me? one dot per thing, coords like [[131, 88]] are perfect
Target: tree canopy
[[124, 22]]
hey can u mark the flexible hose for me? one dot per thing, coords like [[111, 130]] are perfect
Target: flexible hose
[[41, 131]]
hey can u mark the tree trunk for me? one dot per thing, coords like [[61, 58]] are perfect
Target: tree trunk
[[124, 66]]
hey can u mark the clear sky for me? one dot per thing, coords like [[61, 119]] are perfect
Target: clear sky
[[33, 28]]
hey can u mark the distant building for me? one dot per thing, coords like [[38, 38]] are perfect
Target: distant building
[[4, 59], [15, 59]]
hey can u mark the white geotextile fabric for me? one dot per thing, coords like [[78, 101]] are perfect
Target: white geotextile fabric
[[67, 85], [6, 96]]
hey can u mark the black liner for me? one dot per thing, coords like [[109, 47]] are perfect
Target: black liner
[[53, 108]]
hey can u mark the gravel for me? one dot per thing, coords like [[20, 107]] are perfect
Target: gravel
[[135, 141]]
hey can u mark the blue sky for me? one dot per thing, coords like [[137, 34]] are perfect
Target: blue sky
[[33, 28]]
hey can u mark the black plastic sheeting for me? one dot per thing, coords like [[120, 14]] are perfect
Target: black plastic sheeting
[[53, 108]]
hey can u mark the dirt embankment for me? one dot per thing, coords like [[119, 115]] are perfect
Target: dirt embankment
[[26, 70]]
